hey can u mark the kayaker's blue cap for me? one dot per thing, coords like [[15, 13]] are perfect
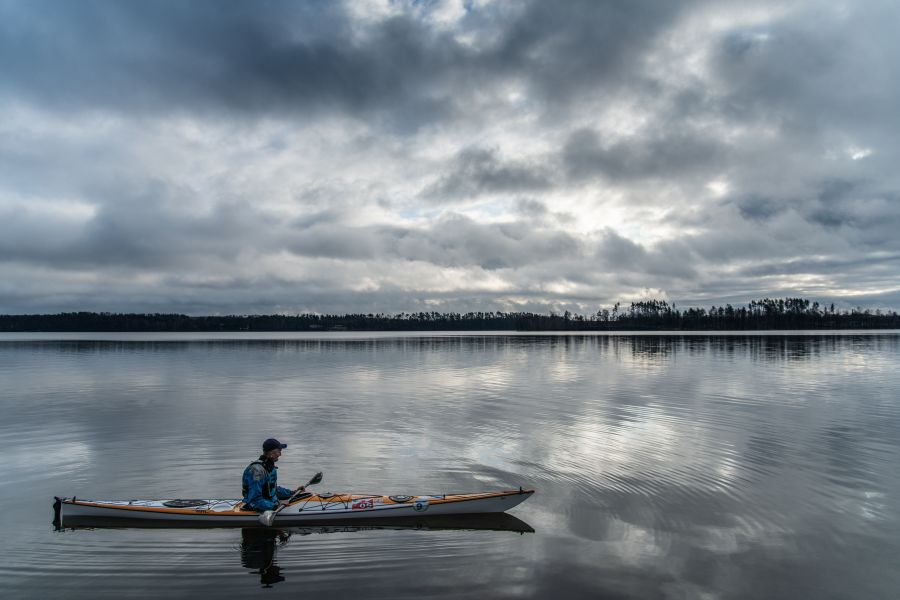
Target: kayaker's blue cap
[[273, 444]]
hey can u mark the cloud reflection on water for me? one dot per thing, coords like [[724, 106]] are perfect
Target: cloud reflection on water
[[666, 465]]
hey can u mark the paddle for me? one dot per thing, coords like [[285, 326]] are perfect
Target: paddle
[[268, 517]]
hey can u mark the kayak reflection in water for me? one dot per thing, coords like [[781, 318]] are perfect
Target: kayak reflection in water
[[258, 549], [260, 545]]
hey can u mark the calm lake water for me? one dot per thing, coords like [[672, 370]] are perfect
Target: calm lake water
[[666, 466]]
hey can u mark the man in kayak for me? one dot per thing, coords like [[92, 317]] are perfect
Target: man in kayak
[[260, 481]]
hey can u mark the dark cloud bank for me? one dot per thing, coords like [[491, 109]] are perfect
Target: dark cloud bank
[[210, 157]]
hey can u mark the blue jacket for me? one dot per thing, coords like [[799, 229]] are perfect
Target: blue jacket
[[260, 487]]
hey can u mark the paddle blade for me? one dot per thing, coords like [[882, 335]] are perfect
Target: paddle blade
[[317, 478], [267, 518]]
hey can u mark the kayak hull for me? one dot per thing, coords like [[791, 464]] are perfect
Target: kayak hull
[[471, 522], [315, 507]]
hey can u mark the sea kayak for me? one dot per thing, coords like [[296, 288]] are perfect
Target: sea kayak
[[308, 507]]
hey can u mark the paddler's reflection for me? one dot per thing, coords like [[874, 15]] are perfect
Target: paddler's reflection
[[258, 549]]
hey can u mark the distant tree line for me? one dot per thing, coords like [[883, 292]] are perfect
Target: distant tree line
[[768, 313], [647, 315]]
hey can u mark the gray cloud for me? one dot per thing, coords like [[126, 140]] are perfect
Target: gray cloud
[[451, 241], [478, 171], [667, 260], [222, 56], [143, 228], [881, 265], [759, 208], [531, 208], [565, 51], [293, 57], [665, 153], [235, 156], [812, 74]]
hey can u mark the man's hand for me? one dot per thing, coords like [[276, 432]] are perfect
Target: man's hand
[[302, 488]]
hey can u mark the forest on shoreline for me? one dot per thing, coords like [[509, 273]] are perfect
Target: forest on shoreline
[[648, 315]]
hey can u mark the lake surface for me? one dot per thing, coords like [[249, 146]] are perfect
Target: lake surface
[[666, 466]]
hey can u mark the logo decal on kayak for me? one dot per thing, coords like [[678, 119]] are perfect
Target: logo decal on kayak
[[420, 505], [363, 504]]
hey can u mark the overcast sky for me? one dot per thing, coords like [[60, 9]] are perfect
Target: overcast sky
[[214, 157]]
